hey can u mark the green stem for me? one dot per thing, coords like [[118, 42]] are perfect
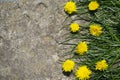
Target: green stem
[[112, 34], [115, 59]]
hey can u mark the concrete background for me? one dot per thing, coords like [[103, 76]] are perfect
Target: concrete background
[[8, 0], [29, 32]]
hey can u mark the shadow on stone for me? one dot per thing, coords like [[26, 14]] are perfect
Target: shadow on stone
[[72, 14], [74, 32], [92, 12], [67, 73]]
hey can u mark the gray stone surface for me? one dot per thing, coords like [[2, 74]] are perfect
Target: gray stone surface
[[29, 30], [8, 0]]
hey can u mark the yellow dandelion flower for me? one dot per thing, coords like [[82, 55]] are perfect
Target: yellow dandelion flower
[[95, 29], [83, 73], [70, 7], [74, 27], [101, 65], [81, 48], [68, 65], [93, 5]]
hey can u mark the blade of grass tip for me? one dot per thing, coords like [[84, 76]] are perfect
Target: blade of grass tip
[[105, 40], [60, 61], [115, 45], [68, 44], [81, 18], [114, 60], [64, 22], [118, 62], [73, 36], [112, 34], [67, 40], [69, 52], [111, 9], [98, 78], [98, 58], [113, 3], [73, 48], [81, 8], [62, 41], [72, 51]]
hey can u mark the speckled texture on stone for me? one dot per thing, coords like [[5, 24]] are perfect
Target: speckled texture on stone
[[29, 30]]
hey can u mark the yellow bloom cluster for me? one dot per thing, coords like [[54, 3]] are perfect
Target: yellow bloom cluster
[[93, 5], [83, 73], [81, 48], [95, 29], [68, 65], [74, 27], [101, 65], [70, 7]]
